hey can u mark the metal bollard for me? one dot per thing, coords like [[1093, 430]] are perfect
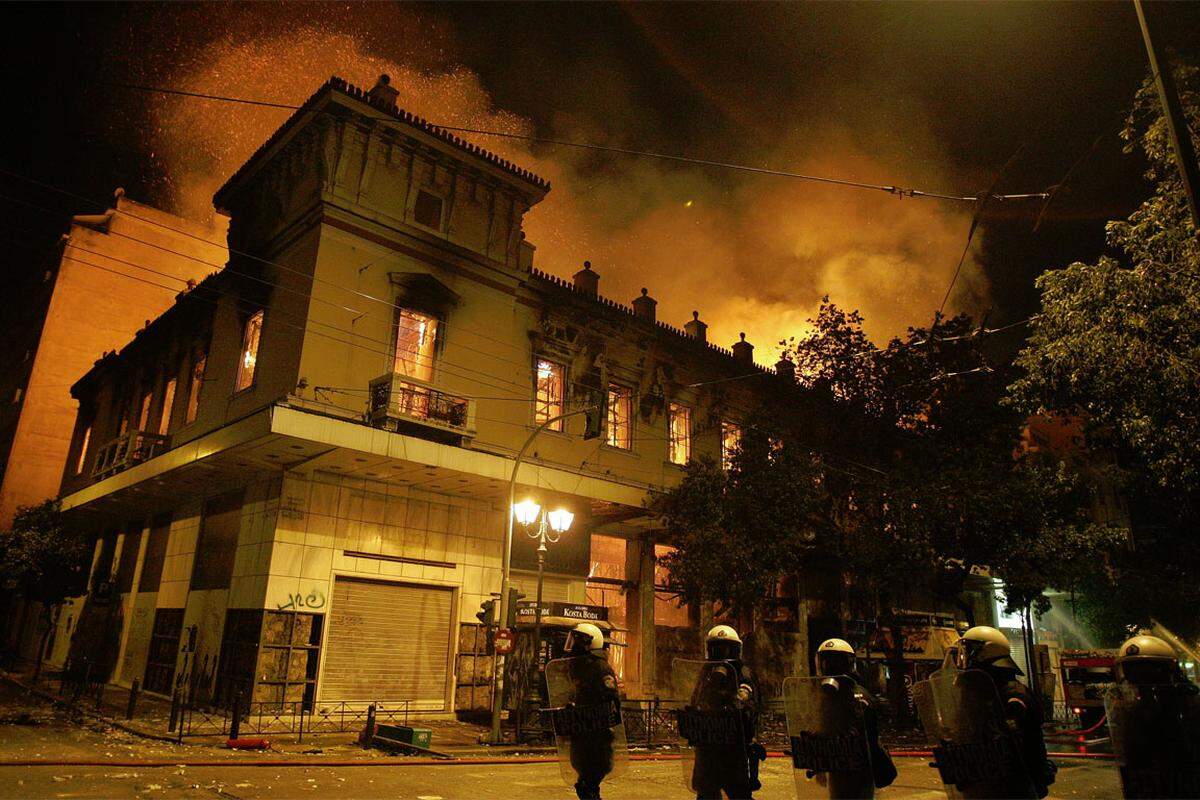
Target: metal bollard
[[235, 726], [134, 688]]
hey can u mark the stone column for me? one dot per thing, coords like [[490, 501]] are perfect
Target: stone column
[[639, 611]]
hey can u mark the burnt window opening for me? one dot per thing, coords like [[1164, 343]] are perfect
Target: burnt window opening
[[196, 382], [548, 393], [428, 210], [248, 360], [164, 420], [679, 430], [619, 428]]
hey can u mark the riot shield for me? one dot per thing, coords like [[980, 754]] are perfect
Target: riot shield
[[831, 757], [1156, 737], [714, 728], [588, 730], [973, 751]]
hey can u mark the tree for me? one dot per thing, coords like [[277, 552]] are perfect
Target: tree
[[44, 561], [1117, 345]]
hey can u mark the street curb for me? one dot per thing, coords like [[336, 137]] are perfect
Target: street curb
[[415, 762]]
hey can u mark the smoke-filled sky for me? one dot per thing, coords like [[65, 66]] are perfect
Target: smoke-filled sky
[[936, 97]]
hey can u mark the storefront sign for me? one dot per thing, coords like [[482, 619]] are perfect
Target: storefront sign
[[555, 608]]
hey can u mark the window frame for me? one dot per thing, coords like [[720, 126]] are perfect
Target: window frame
[[726, 455], [562, 394], [261, 315], [621, 392], [197, 369], [675, 408], [441, 226], [84, 444], [170, 387], [438, 337]]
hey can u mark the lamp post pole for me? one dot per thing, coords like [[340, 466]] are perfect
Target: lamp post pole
[[506, 566]]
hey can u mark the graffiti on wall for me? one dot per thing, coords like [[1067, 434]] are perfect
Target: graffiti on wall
[[299, 601]]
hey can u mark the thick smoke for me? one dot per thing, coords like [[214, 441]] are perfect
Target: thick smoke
[[751, 253]]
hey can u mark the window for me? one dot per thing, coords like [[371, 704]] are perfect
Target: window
[[548, 397], [83, 450], [679, 431], [428, 210], [416, 337], [144, 411], [731, 442], [620, 418], [164, 419], [249, 359], [195, 382]]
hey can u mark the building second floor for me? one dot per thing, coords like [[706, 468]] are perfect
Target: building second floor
[[346, 296]]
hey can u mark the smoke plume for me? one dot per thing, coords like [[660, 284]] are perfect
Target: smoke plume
[[751, 253]]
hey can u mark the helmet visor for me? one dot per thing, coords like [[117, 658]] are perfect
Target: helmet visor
[[835, 663], [724, 650]]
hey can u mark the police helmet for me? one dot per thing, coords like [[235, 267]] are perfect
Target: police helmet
[[835, 657], [585, 638], [1146, 659], [723, 644], [985, 646]]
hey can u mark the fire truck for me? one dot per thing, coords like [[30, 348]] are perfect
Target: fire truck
[[1085, 676]]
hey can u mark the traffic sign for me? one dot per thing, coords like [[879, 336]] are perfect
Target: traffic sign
[[504, 640]]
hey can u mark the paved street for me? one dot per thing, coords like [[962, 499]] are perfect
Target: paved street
[[33, 730], [644, 780]]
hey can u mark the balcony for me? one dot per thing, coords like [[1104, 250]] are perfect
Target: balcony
[[400, 404], [128, 450]]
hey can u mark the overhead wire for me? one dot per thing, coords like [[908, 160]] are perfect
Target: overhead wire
[[888, 188]]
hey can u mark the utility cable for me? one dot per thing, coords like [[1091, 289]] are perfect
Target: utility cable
[[888, 188]]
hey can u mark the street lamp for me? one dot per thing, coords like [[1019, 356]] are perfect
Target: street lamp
[[547, 527]]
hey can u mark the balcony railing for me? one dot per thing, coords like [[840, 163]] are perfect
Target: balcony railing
[[400, 404], [128, 450]]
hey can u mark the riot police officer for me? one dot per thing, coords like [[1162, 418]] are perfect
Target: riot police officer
[[1154, 717], [728, 684], [986, 649], [595, 684], [835, 659]]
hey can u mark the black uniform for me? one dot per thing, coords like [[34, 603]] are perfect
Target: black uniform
[[1024, 718], [883, 771], [1161, 752], [720, 768], [592, 755]]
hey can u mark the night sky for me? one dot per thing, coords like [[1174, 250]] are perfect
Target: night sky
[[931, 96]]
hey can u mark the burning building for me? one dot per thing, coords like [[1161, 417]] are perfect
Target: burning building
[[298, 473]]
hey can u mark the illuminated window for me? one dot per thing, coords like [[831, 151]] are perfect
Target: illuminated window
[[428, 210], [416, 336], [144, 412], [83, 449], [249, 359], [731, 442], [164, 419], [620, 417], [548, 396], [196, 381], [679, 429]]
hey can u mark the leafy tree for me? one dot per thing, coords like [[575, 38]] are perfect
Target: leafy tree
[[1117, 344], [43, 560], [896, 469]]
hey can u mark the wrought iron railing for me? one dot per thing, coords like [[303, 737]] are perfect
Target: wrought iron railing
[[395, 399], [127, 450], [297, 718]]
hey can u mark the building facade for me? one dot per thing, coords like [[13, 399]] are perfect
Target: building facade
[[298, 474], [93, 296]]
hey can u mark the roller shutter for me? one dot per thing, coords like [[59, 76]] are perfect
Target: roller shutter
[[387, 642]]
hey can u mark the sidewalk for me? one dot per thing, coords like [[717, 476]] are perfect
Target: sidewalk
[[152, 716]]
